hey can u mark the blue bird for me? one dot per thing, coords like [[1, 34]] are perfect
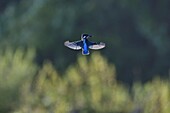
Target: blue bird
[[84, 44]]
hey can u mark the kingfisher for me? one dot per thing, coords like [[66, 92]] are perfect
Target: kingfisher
[[84, 44]]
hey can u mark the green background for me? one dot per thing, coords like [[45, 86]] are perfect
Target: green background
[[38, 74]]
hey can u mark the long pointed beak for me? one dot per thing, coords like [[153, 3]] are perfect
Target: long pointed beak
[[89, 36]]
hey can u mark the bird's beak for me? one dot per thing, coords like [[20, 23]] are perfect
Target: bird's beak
[[90, 36]]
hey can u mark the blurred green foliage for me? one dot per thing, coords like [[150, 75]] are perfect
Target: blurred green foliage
[[15, 68], [85, 87], [136, 32], [39, 75], [89, 86]]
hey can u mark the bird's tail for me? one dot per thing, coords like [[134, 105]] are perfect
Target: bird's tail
[[85, 52]]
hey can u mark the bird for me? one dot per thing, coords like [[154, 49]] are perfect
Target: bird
[[84, 44]]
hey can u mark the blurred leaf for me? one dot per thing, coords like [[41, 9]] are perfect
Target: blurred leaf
[[16, 67]]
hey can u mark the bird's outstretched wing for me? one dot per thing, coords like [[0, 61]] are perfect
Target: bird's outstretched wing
[[77, 45], [95, 45]]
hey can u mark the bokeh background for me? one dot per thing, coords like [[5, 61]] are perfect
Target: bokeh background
[[39, 75]]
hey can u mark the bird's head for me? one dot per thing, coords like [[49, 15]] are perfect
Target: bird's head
[[85, 36]]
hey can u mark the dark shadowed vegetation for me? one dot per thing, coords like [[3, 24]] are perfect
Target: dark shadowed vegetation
[[39, 75]]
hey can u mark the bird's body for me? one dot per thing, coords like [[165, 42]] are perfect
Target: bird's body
[[85, 50], [84, 44]]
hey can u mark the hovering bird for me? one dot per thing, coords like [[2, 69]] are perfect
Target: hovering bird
[[84, 44]]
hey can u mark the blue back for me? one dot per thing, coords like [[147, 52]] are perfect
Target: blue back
[[85, 47]]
